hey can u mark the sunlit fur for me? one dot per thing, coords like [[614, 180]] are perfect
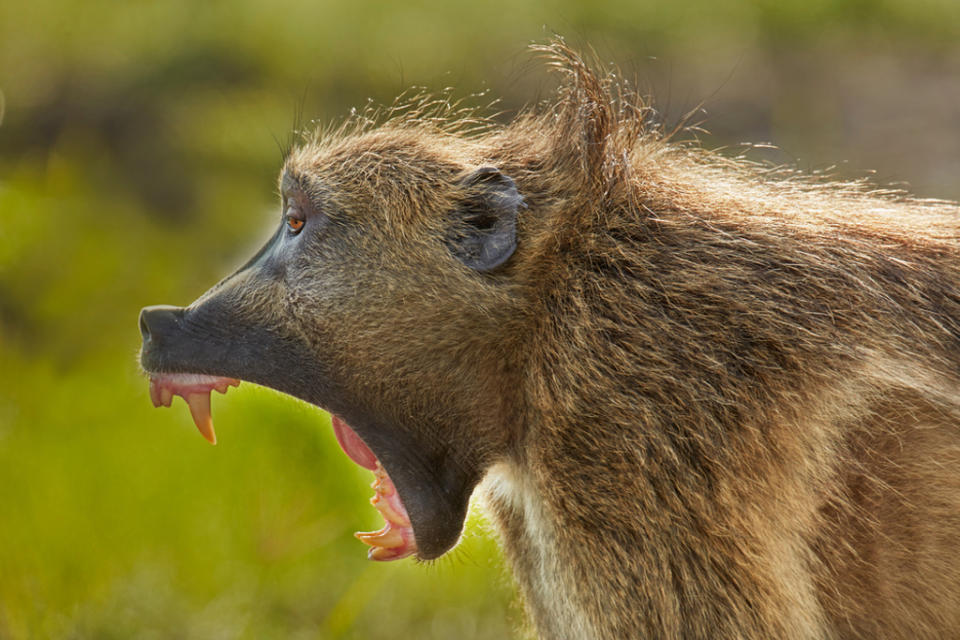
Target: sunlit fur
[[712, 400]]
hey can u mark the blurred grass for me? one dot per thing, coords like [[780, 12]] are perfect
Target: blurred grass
[[138, 154], [118, 522]]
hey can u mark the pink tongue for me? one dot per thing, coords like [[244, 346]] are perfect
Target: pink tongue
[[354, 447]]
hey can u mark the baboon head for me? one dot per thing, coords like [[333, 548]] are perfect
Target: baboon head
[[384, 297]]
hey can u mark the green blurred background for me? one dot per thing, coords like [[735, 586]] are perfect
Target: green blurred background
[[138, 153]]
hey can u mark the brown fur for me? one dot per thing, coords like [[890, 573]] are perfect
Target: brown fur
[[709, 400]]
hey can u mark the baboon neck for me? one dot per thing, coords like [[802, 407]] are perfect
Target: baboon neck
[[602, 550]]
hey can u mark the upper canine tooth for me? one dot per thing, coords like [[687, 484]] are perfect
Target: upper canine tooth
[[200, 410]]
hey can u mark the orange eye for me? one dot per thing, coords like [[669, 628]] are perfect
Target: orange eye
[[294, 225]]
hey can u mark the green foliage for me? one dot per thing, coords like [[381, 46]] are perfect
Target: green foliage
[[139, 145]]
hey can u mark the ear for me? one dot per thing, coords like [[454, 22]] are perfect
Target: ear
[[483, 233]]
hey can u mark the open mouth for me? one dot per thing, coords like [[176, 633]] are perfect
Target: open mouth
[[394, 541]]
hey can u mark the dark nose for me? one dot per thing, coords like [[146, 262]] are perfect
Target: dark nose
[[158, 320]]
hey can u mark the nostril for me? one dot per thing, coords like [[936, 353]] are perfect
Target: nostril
[[144, 327], [159, 320]]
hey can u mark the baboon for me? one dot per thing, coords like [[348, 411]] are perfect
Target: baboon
[[705, 399]]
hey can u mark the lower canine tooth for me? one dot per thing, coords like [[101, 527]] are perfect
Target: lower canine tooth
[[387, 538], [389, 511], [381, 554]]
